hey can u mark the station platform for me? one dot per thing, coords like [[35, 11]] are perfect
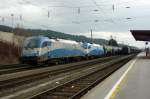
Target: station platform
[[131, 81]]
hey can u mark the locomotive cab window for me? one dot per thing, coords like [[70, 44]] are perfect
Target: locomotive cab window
[[89, 46], [44, 44], [48, 43], [33, 43]]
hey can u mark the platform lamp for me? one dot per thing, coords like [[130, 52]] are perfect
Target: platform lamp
[[146, 43]]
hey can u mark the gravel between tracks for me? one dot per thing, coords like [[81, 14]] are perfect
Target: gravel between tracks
[[46, 76], [51, 83]]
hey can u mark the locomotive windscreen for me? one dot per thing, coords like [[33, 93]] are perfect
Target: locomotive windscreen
[[32, 43]]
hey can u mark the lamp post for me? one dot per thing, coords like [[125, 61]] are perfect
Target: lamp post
[[12, 15], [0, 17], [95, 21], [3, 20], [91, 36]]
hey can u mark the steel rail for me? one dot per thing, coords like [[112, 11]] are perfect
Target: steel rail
[[56, 70], [71, 90], [64, 79]]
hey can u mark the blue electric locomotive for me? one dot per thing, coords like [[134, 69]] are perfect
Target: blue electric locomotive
[[40, 49]]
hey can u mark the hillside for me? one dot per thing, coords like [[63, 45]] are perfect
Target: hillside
[[51, 34]]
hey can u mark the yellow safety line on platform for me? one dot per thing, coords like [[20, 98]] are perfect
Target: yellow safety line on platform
[[112, 93]]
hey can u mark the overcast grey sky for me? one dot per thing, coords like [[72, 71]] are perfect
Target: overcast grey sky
[[79, 16]]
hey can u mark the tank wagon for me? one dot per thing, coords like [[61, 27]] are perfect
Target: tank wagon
[[129, 50], [112, 50]]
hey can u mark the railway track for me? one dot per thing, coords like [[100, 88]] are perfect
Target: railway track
[[78, 87], [6, 69], [13, 83], [11, 66]]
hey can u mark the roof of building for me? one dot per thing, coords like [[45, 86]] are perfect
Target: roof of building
[[141, 35]]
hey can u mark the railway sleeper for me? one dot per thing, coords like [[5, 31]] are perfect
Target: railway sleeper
[[84, 83], [78, 85], [60, 93], [53, 97], [71, 89], [88, 79]]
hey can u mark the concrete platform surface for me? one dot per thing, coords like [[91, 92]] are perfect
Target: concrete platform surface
[[132, 81]]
